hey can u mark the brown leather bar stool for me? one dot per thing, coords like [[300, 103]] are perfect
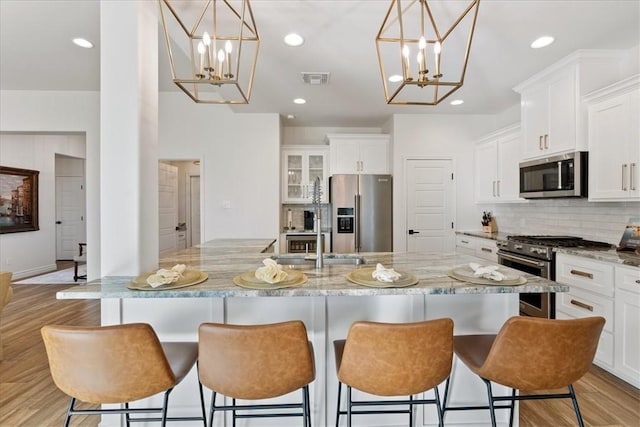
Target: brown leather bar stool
[[254, 362], [393, 359], [530, 354], [118, 364]]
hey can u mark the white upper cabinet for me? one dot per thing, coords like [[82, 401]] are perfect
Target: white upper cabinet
[[359, 154], [554, 119], [301, 166], [496, 166], [614, 142]]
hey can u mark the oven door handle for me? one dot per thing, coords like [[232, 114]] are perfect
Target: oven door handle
[[526, 261]]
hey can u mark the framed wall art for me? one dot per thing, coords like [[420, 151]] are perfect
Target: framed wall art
[[18, 200]]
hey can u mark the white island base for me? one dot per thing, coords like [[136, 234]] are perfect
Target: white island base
[[327, 318]]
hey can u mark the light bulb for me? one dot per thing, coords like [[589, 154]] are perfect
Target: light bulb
[[201, 48], [437, 48], [228, 46], [419, 57], [422, 43], [405, 51], [206, 39], [221, 55]]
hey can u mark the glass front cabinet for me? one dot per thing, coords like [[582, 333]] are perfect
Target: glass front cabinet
[[301, 166]]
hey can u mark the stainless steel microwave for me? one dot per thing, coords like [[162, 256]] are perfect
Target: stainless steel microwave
[[564, 175]]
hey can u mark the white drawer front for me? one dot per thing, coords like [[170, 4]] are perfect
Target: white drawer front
[[628, 279], [604, 353], [466, 242], [487, 249], [577, 303], [586, 274]]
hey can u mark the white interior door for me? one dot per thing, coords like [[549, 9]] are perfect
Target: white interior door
[[167, 207], [430, 205], [194, 210], [70, 216]]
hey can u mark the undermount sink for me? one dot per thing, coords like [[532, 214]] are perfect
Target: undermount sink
[[302, 259]]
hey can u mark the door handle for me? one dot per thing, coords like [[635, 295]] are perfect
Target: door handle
[[624, 174], [582, 305], [413, 232], [58, 222], [540, 142], [632, 177]]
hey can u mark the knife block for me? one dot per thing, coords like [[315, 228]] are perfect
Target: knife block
[[491, 228]]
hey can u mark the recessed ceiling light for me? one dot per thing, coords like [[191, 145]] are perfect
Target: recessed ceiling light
[[543, 41], [290, 116], [293, 39], [457, 102], [79, 41], [395, 78], [300, 101]]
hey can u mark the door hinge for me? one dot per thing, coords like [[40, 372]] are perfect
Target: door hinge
[[452, 225], [81, 187], [81, 217], [451, 176]]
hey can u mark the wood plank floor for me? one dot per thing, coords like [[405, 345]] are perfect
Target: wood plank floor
[[28, 397]]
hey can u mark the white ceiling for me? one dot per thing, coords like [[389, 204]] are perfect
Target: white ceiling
[[36, 52]]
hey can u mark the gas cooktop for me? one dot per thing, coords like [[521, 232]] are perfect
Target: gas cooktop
[[558, 241]]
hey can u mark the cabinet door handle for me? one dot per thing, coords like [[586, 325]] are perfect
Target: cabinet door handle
[[486, 250], [498, 187], [624, 174], [582, 273], [638, 281], [466, 242], [540, 142], [546, 141], [632, 177], [494, 188], [582, 305]]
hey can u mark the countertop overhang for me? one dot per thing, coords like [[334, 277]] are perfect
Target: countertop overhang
[[224, 259]]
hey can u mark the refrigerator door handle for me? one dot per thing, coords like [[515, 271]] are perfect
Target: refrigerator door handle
[[357, 222]]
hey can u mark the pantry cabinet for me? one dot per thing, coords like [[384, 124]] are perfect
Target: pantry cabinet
[[614, 142], [359, 153], [553, 116], [301, 166], [496, 166]]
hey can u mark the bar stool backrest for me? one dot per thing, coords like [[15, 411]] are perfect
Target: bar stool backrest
[[394, 359], [255, 361], [109, 364], [535, 354]]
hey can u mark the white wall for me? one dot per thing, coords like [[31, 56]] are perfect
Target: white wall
[[51, 112], [310, 135], [438, 136], [240, 164], [34, 252]]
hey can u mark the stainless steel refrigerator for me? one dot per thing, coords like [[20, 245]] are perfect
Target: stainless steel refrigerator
[[362, 213]]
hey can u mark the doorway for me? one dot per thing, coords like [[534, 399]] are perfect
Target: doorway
[[430, 205]]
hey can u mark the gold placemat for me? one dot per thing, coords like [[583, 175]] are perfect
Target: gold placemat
[[189, 278], [465, 274], [362, 276], [250, 281]]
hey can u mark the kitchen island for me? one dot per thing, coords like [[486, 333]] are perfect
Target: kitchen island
[[328, 303]]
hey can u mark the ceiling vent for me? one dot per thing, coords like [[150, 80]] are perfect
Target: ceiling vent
[[315, 78]]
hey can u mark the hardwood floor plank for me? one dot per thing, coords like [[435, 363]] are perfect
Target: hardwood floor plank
[[29, 398]]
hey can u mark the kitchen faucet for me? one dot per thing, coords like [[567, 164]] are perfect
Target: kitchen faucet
[[316, 202]]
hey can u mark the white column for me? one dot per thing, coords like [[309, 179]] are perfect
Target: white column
[[129, 136]]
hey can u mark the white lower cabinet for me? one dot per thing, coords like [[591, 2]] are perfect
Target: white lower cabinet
[[627, 326], [612, 291], [478, 246]]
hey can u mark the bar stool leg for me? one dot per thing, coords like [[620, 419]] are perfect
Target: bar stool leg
[[69, 411], [212, 409], [127, 416], [233, 413], [165, 405], [439, 408], [512, 406], [338, 404], [491, 408], [575, 405], [348, 406], [410, 411]]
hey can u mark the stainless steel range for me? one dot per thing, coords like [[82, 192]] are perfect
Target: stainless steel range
[[536, 255]]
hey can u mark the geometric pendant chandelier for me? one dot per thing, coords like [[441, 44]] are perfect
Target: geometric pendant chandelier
[[213, 48], [423, 48]]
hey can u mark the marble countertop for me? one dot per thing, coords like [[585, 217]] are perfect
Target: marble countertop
[[478, 233], [222, 260]]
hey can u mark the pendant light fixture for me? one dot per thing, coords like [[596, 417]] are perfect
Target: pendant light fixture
[[213, 48], [423, 49]]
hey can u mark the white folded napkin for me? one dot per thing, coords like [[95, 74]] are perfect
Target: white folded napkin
[[383, 274], [486, 272], [165, 277], [272, 272]]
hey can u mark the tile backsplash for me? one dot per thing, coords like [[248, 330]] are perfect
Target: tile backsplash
[[574, 217], [297, 215]]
